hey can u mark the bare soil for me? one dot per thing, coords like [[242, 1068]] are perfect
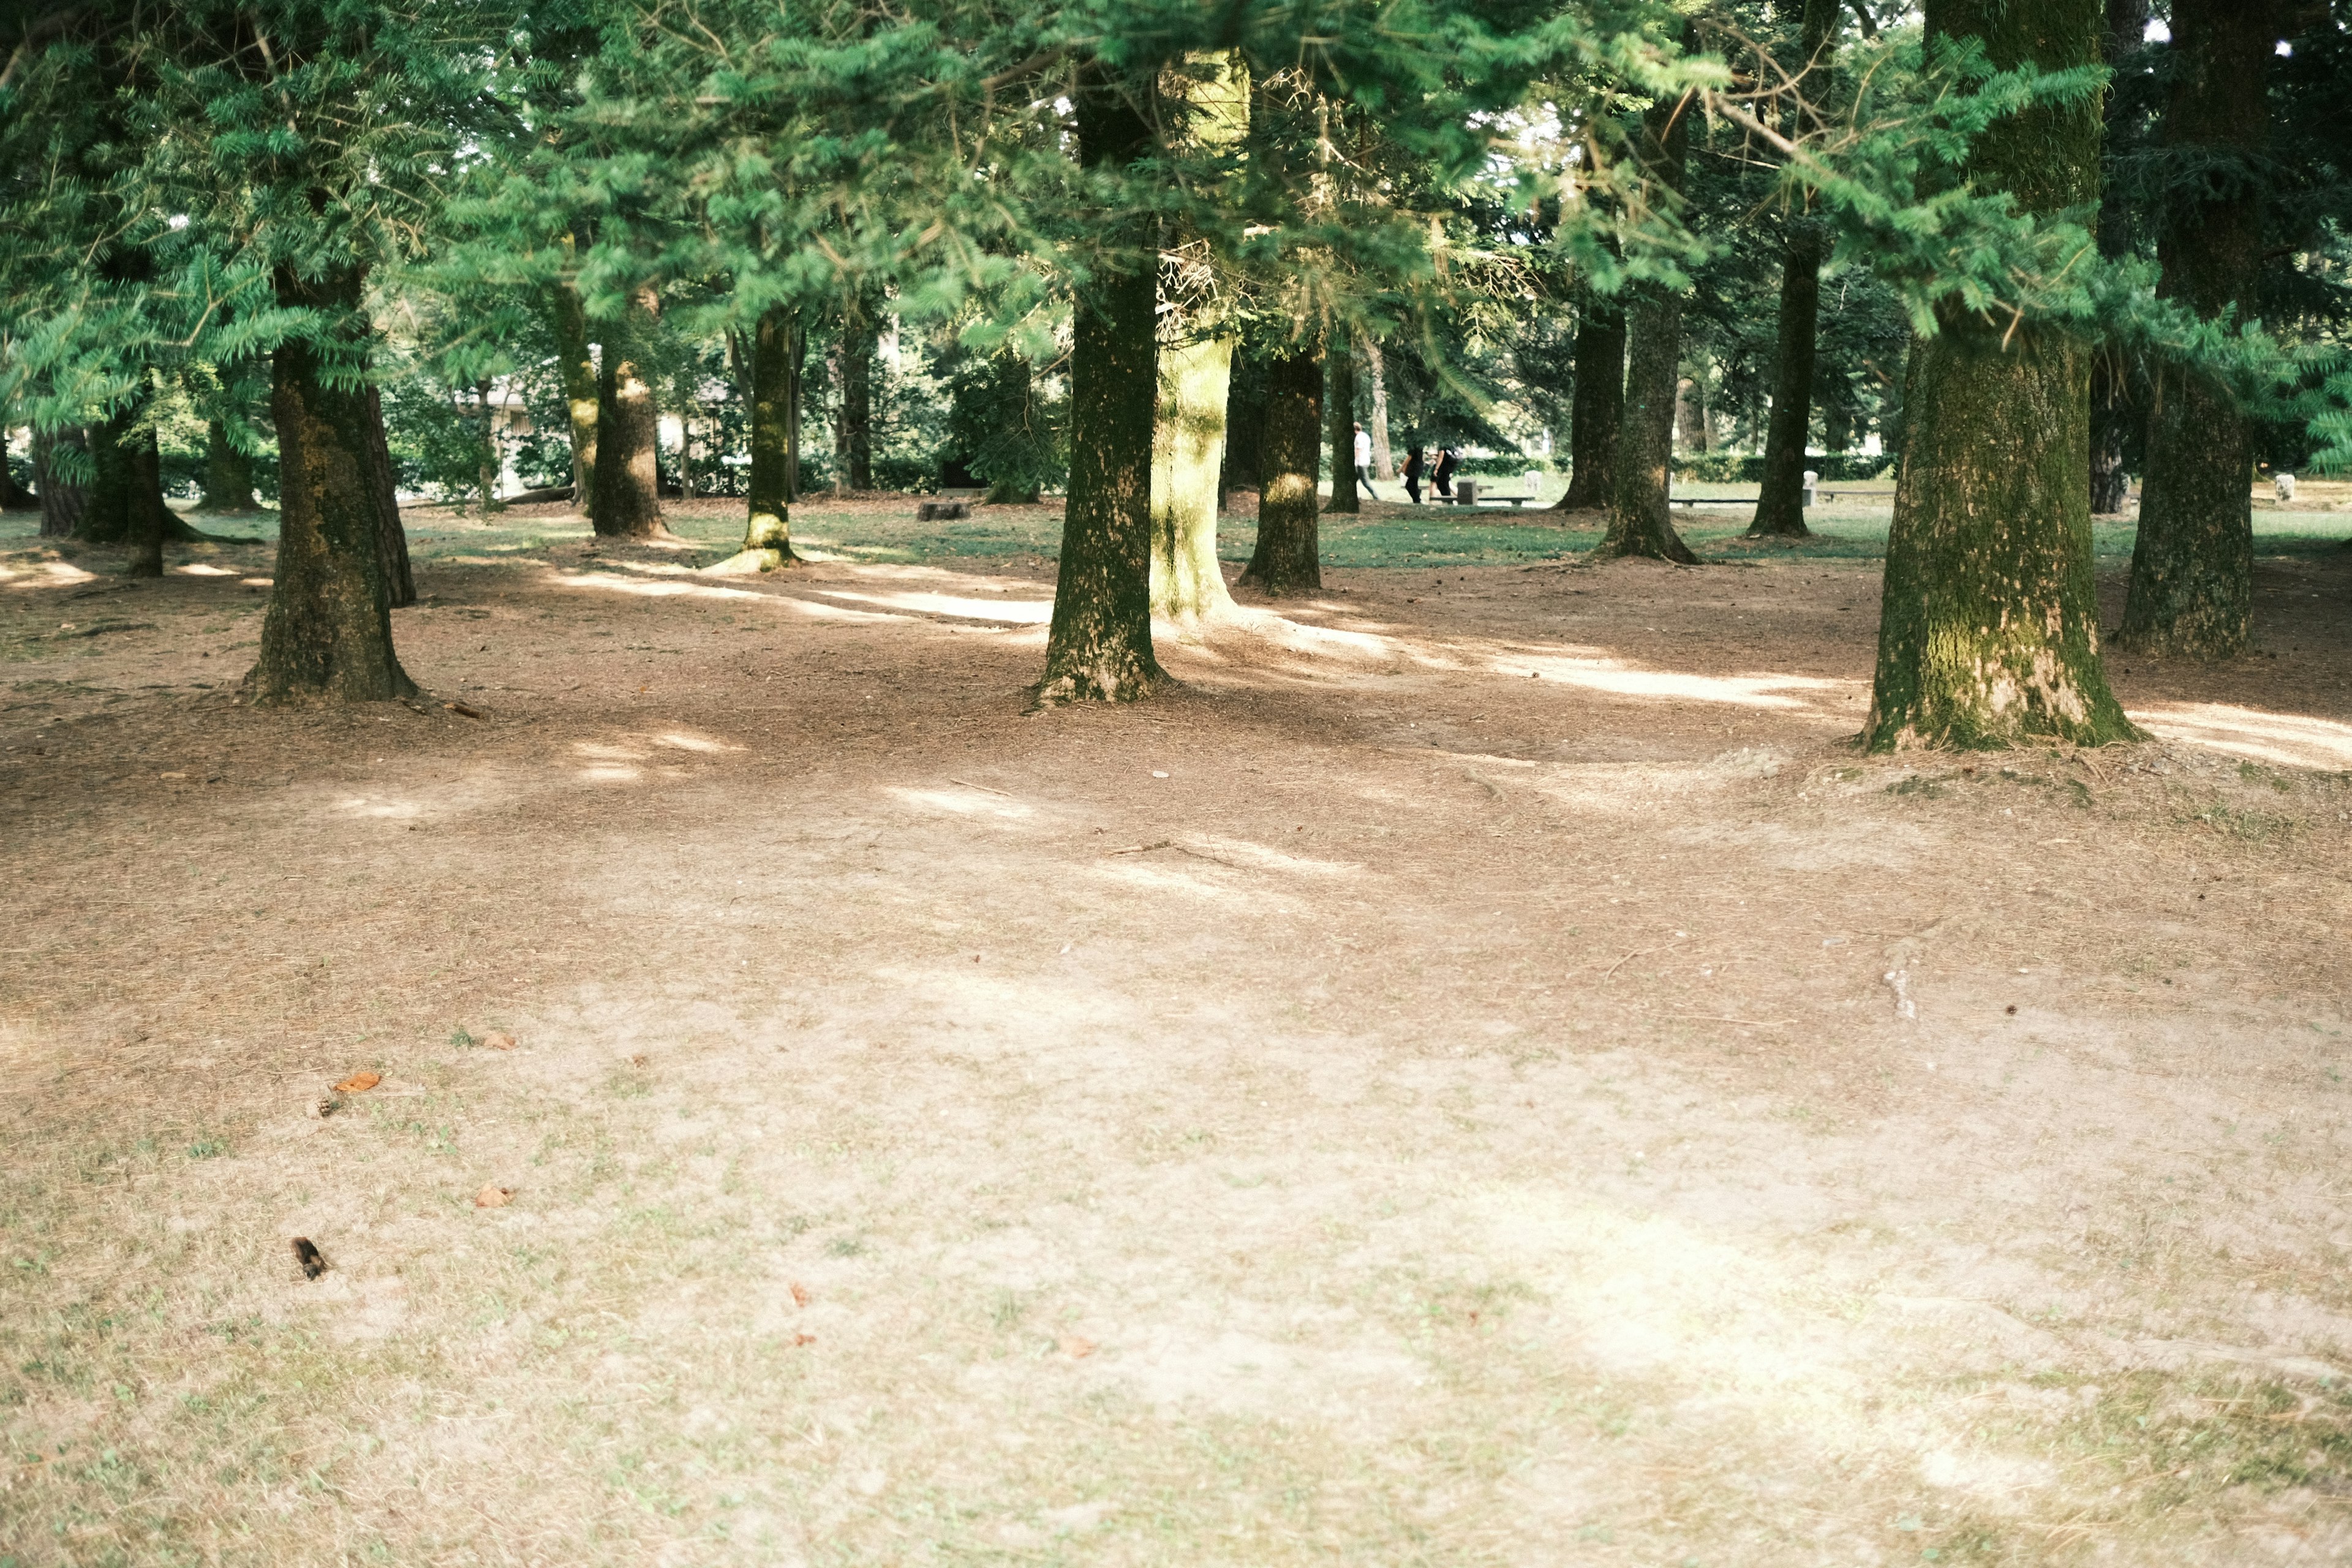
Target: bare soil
[[1483, 1073]]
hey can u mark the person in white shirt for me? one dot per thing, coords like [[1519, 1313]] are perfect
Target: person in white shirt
[[1364, 463]]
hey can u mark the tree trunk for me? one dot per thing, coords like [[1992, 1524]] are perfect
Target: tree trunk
[[1989, 629], [62, 499], [2113, 412], [795, 373], [1098, 648], [149, 518], [2192, 576], [768, 533], [853, 431], [1781, 504], [228, 474], [626, 501], [328, 633], [1339, 366], [1288, 557], [1596, 405], [399, 578], [1639, 522], [1187, 453], [106, 516], [1383, 456], [580, 390]]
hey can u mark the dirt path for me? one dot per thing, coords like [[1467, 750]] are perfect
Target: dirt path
[[1483, 1075]]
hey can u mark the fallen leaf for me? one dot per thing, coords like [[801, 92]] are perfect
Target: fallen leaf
[[327, 1106], [462, 711], [171, 775], [804, 1339], [1076, 1348], [493, 1197], [498, 1040], [638, 1061], [800, 1294], [308, 1256], [358, 1083]]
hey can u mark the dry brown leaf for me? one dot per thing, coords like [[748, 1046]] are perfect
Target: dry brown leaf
[[800, 1294], [493, 1197], [498, 1040], [1076, 1348], [804, 1339], [358, 1083], [462, 709]]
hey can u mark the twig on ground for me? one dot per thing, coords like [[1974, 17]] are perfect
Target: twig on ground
[[982, 787], [1637, 953]]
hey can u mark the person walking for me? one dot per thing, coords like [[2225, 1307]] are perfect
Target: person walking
[[1414, 468], [1364, 463], [1443, 478]]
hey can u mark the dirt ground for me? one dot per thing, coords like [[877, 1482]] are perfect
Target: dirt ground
[[1482, 1074]]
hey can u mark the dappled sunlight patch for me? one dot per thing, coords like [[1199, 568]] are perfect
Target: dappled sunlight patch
[[198, 569], [2289, 740], [1618, 679], [678, 741], [45, 574], [1134, 871], [612, 772], [378, 806], [817, 610], [652, 568], [598, 751], [1025, 612], [960, 801], [257, 582], [1259, 857], [612, 584]]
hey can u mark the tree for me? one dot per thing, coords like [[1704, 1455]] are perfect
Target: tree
[[1597, 408], [2113, 410], [2193, 565], [853, 429], [228, 473], [626, 499], [1780, 503], [1099, 646], [1639, 523], [776, 351], [582, 394], [1340, 369], [1288, 556], [1989, 631]]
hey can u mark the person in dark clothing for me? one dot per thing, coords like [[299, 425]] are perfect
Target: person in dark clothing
[[1443, 478], [1414, 468]]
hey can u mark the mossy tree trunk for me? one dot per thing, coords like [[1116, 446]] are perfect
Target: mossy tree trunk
[[1288, 556], [1187, 453], [63, 501], [767, 530], [328, 632], [580, 398], [1596, 405], [2192, 575], [228, 473], [626, 502], [1098, 648], [1989, 629], [1781, 504], [1340, 367], [1639, 523]]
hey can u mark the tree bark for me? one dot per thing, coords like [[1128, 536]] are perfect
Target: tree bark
[[1781, 504], [626, 501], [853, 431], [1383, 456], [1187, 453], [768, 533], [228, 474], [62, 500], [1098, 648], [399, 578], [1288, 557], [1638, 519], [580, 390], [1989, 629], [2113, 412], [106, 515], [14, 496], [328, 632], [149, 517], [1340, 367], [1596, 405], [2192, 576]]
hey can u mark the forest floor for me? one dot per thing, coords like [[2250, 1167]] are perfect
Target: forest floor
[[1481, 1073]]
